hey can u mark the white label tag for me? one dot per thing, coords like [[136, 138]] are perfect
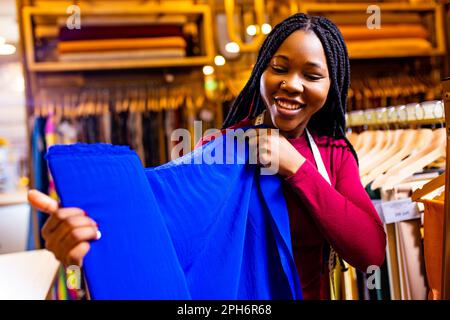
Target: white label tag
[[399, 210]]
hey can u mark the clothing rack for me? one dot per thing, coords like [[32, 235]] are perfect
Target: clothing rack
[[446, 240], [427, 112]]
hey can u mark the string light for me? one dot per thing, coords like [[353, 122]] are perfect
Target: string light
[[219, 60], [232, 47], [208, 70], [266, 28], [251, 30]]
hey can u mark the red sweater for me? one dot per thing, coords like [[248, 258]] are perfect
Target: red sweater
[[342, 214]]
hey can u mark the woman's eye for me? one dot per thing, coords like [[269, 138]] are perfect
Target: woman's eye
[[278, 69], [314, 77]]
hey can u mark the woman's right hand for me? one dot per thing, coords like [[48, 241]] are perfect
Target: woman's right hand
[[67, 231]]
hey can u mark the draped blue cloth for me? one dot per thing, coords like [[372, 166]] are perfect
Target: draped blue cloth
[[184, 230]]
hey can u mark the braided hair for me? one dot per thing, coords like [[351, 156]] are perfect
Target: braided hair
[[330, 119]]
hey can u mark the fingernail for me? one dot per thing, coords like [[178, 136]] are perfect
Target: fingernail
[[99, 234]]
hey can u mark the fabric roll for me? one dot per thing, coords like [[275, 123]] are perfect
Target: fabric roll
[[352, 33], [115, 32], [388, 46], [165, 237], [121, 20], [123, 55], [386, 18], [121, 44]]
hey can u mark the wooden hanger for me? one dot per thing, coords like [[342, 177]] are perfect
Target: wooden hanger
[[403, 148], [425, 138], [429, 187], [422, 158], [392, 146], [380, 142], [366, 142]]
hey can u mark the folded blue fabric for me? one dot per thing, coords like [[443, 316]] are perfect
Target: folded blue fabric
[[184, 230]]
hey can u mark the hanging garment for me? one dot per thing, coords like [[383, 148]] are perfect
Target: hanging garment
[[433, 245], [40, 172], [404, 252], [182, 230]]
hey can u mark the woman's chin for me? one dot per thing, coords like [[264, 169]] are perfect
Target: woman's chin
[[286, 126]]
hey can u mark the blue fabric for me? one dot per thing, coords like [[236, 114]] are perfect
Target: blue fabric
[[182, 230]]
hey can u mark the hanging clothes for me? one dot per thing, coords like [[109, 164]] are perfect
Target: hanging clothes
[[165, 237], [40, 172]]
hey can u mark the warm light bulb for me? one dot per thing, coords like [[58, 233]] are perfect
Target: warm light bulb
[[251, 30], [266, 28], [232, 47], [208, 70], [219, 60]]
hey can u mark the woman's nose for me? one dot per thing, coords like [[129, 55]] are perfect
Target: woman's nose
[[292, 84]]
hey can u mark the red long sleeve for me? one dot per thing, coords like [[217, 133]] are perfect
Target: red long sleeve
[[341, 214]]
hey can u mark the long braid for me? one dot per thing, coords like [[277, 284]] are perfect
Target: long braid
[[330, 119]]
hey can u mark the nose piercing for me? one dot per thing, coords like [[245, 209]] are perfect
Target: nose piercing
[[283, 83]]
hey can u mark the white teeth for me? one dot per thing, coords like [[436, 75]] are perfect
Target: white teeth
[[288, 105]]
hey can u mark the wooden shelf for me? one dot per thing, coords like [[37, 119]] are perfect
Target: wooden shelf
[[197, 11], [437, 50], [122, 64]]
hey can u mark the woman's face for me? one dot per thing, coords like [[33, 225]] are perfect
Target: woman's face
[[295, 84]]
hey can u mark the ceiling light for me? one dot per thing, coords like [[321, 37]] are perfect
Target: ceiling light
[[266, 28], [208, 70], [232, 47], [251, 30], [219, 60]]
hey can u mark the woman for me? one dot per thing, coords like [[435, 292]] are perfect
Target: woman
[[299, 83]]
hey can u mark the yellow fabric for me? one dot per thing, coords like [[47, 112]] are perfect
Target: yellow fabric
[[388, 46], [120, 44], [350, 286], [343, 285], [433, 245], [335, 282]]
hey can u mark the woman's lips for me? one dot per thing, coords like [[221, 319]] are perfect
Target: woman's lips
[[288, 107]]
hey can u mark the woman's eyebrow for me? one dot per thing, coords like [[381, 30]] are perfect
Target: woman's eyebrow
[[314, 64], [282, 57]]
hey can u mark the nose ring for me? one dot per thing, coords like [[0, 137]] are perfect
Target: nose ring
[[283, 83]]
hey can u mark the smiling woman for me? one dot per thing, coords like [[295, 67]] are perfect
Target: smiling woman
[[299, 84]]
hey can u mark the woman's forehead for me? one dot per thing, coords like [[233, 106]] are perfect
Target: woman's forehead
[[302, 45]]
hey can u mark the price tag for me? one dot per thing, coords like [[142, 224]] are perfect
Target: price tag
[[399, 210]]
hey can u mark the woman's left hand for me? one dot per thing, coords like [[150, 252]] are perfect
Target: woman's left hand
[[275, 152]]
